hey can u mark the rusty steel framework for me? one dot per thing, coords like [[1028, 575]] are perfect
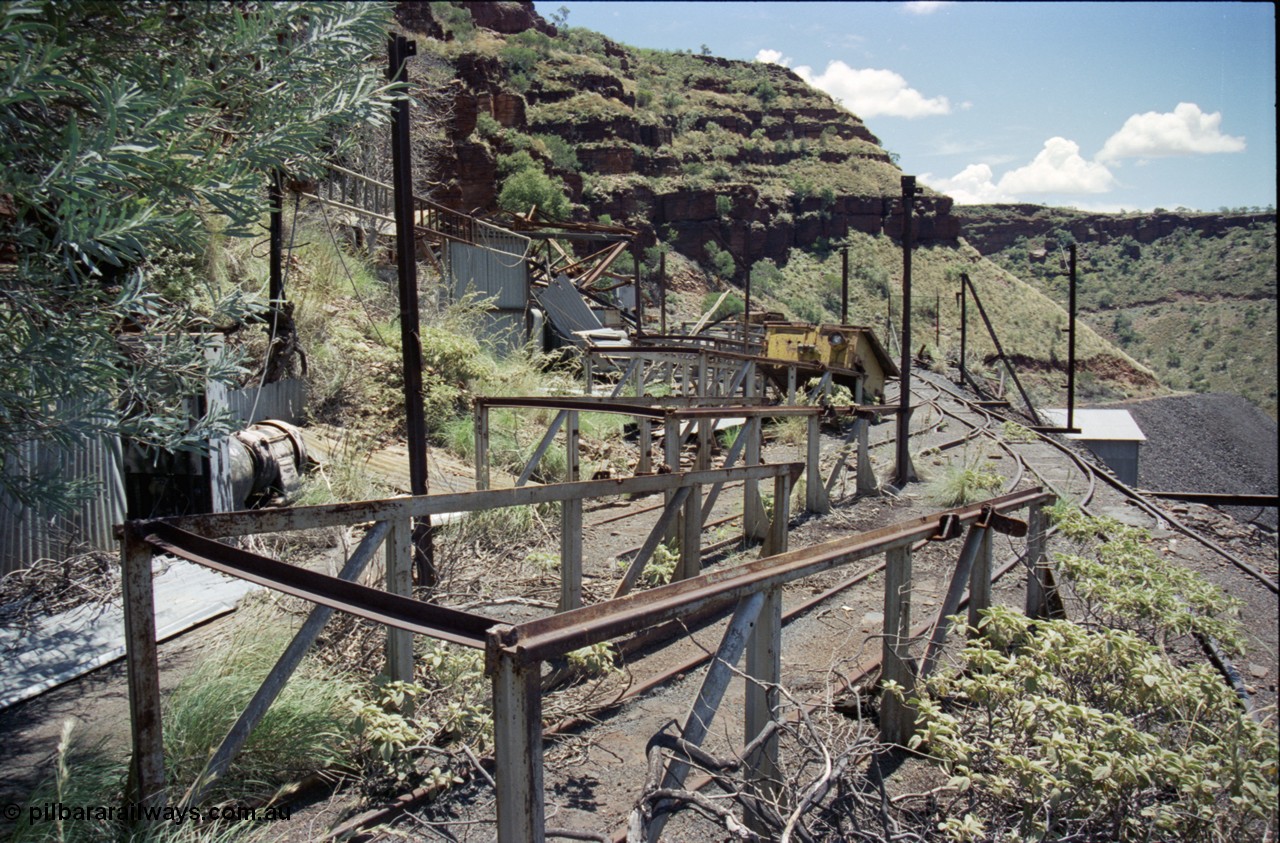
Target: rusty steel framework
[[194, 538], [514, 654]]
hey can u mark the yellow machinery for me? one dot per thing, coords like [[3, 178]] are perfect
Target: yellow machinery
[[852, 353]]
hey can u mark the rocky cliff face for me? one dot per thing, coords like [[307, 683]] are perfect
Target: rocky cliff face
[[694, 150], [993, 228]]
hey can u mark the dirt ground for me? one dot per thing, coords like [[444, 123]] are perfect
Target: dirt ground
[[594, 773]]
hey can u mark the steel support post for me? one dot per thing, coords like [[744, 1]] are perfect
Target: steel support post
[[980, 581], [897, 719], [964, 330], [791, 385], [399, 555], [1039, 582], [635, 263], [844, 286], [764, 674], [587, 373], [866, 483], [905, 473], [815, 493], [399, 50], [570, 554], [517, 732], [645, 434], [754, 524], [275, 250], [703, 711], [705, 429], [636, 369], [1071, 341], [146, 767], [691, 535], [662, 293], [776, 541], [671, 458], [480, 420], [571, 446]]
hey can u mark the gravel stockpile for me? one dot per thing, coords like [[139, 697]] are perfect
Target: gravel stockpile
[[1207, 443]]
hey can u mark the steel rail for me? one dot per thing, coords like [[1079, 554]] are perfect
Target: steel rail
[[1141, 502], [1217, 498]]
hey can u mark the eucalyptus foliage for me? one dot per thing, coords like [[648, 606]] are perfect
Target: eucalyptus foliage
[[132, 130]]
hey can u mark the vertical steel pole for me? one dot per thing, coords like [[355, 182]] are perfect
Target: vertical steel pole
[[398, 553], [980, 580], [1071, 342], [399, 50], [764, 673], [844, 286], [275, 277], [662, 292], [517, 732], [897, 719], [904, 473], [275, 283], [1039, 579], [635, 259], [146, 767], [964, 329], [746, 318]]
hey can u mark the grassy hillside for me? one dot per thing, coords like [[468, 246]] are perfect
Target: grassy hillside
[[736, 168], [1194, 299], [1030, 325]]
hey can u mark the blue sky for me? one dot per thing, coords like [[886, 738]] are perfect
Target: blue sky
[[1100, 106]]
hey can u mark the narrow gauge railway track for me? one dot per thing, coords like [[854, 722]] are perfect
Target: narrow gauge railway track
[[791, 614]]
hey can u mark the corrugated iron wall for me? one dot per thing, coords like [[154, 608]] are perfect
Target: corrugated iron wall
[[495, 270], [28, 534], [283, 400]]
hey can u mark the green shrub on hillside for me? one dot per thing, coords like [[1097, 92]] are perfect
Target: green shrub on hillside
[[528, 188], [1051, 731]]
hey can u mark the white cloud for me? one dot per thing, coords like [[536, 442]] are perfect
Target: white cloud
[[1185, 131], [872, 93], [1058, 168], [773, 57], [974, 185], [924, 7]]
